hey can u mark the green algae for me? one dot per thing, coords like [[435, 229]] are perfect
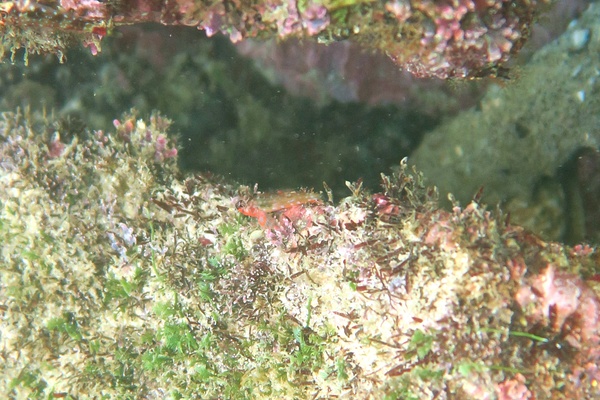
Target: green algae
[[122, 278]]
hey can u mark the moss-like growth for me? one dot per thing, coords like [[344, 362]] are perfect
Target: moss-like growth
[[122, 279]]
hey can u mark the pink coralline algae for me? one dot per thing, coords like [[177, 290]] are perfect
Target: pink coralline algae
[[562, 302], [441, 38], [568, 310], [458, 30], [513, 389], [84, 8]]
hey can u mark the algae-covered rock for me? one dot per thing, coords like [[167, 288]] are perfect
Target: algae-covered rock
[[453, 39], [519, 143], [120, 278]]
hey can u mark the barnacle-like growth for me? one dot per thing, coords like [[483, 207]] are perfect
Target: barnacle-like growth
[[120, 278]]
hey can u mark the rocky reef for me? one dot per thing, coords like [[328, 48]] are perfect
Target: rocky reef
[[454, 38], [532, 143], [121, 278], [122, 275]]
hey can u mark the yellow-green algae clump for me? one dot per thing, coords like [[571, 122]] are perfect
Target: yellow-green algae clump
[[122, 279]]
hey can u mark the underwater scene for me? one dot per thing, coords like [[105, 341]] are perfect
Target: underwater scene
[[300, 199]]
